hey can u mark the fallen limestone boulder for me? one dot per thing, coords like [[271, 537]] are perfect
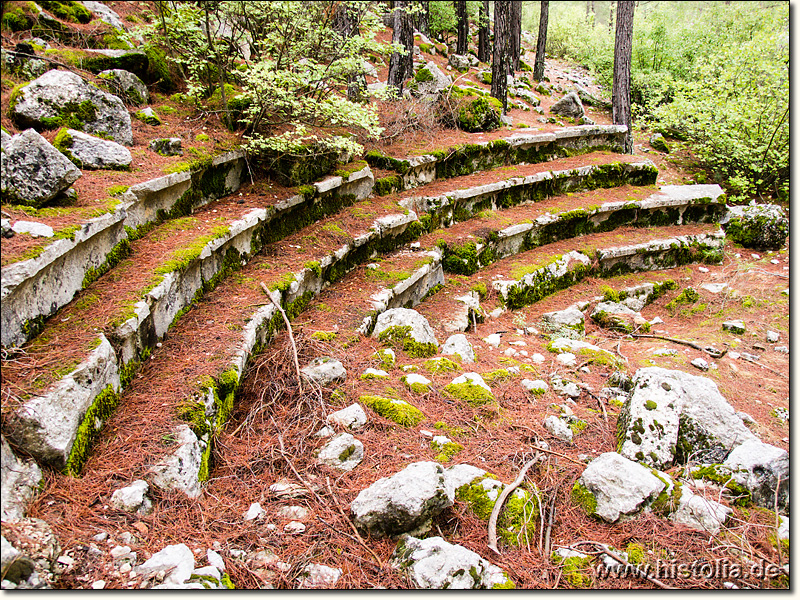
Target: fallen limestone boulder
[[343, 452], [181, 469], [318, 576], [569, 106], [459, 345], [404, 502], [324, 370], [460, 62], [757, 467], [407, 329], [89, 152], [105, 14], [62, 98], [431, 81], [759, 226], [559, 428], [126, 85], [671, 415], [613, 487], [133, 498], [353, 417], [166, 146], [32, 171], [617, 316], [19, 481], [433, 563], [467, 312], [658, 142], [699, 513], [471, 388], [177, 561], [570, 318]]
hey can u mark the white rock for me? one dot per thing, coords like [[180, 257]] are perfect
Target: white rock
[[420, 332], [757, 466], [783, 528], [620, 486], [255, 512], [433, 563], [567, 359], [558, 428], [353, 417], [375, 373], [294, 513], [460, 475], [294, 528], [318, 576], [781, 349], [33, 172], [656, 321], [343, 452], [702, 269], [493, 340], [417, 379], [177, 560], [700, 513], [459, 345], [92, 152], [473, 379], [215, 560], [404, 501], [510, 352], [667, 407], [537, 358], [133, 498], [181, 469], [20, 481], [700, 363], [714, 288], [569, 317], [33, 229], [104, 13], [324, 370], [773, 337], [535, 386]]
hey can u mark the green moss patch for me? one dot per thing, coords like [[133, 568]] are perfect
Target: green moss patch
[[440, 364], [516, 523], [400, 337], [399, 411], [474, 395]]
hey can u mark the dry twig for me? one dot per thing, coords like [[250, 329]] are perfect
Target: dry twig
[[711, 351], [501, 500], [606, 550], [291, 334]]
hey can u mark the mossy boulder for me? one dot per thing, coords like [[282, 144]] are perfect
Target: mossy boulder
[[760, 226], [148, 116], [470, 388], [406, 329], [399, 411], [478, 114], [126, 85]]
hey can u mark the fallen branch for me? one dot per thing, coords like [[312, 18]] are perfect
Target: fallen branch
[[625, 358], [553, 452], [711, 351], [600, 403], [763, 366], [550, 519], [291, 334], [628, 566], [499, 504]]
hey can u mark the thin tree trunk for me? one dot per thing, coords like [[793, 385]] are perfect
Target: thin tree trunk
[[541, 42], [218, 60], [594, 14], [500, 56], [401, 64], [484, 49], [462, 26], [346, 24], [424, 17], [611, 17], [516, 34], [621, 93]]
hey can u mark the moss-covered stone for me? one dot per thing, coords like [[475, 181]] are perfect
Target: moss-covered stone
[[101, 409], [440, 364], [446, 451], [399, 411], [517, 520], [722, 475], [474, 395], [582, 497], [477, 114], [400, 337]]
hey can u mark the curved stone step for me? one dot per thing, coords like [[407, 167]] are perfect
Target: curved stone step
[[519, 148]]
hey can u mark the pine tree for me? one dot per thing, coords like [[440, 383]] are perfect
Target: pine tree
[[621, 92]]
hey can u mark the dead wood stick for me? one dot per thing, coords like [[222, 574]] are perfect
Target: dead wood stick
[[778, 522], [500, 500], [709, 350], [606, 550], [291, 334], [625, 358], [763, 366], [600, 403], [553, 452], [550, 518]]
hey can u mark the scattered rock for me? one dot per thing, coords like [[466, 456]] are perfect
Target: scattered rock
[[714, 288], [167, 146], [255, 512], [758, 226], [559, 428], [105, 14], [782, 349], [403, 502], [471, 388], [61, 97], [569, 106], [33, 229], [148, 116], [614, 315], [700, 363], [700, 513], [460, 62], [571, 318], [177, 561], [459, 345], [90, 152], [757, 466], [294, 528], [372, 373], [567, 359], [612, 487], [324, 370], [658, 142], [29, 552], [181, 469], [318, 576], [493, 340], [537, 387], [20, 481], [353, 417], [670, 415], [342, 452], [418, 384], [32, 171], [736, 326], [408, 329], [773, 337], [133, 499], [126, 85], [433, 563]]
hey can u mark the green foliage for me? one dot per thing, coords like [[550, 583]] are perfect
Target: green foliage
[[399, 411]]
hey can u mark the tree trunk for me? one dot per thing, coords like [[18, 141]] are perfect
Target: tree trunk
[[594, 14], [516, 34], [610, 17], [346, 24], [484, 49], [500, 56], [621, 93], [541, 42], [462, 26], [424, 17], [401, 65]]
